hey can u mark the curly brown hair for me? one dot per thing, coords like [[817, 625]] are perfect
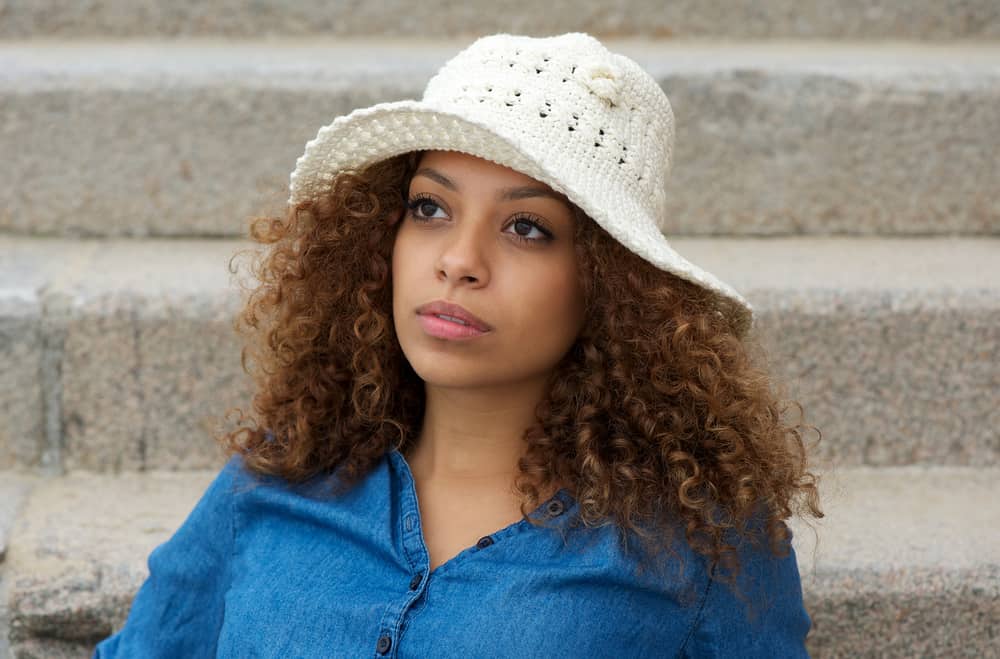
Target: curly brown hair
[[658, 416]]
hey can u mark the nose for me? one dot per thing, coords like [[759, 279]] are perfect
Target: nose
[[464, 254]]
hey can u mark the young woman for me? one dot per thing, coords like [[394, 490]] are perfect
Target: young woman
[[497, 414]]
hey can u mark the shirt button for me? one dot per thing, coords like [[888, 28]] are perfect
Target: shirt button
[[556, 508], [384, 643], [484, 542], [415, 581]]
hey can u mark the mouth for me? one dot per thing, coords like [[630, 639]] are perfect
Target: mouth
[[444, 319], [446, 327]]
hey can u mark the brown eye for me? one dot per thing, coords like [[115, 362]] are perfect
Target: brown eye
[[524, 225], [421, 204]]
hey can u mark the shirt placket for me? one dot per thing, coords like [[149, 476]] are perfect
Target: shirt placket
[[391, 624]]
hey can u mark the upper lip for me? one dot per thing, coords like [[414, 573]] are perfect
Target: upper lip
[[452, 309]]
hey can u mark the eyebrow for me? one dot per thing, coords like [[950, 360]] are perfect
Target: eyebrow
[[504, 194]]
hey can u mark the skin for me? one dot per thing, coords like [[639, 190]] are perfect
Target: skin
[[481, 393]]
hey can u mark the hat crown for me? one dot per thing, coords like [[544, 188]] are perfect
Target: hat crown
[[567, 93]]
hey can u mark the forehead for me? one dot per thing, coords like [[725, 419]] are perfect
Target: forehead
[[459, 171]]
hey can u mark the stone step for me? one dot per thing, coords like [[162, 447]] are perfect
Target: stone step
[[121, 354], [905, 563], [809, 19], [190, 138]]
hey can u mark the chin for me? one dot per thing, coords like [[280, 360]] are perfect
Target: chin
[[454, 371]]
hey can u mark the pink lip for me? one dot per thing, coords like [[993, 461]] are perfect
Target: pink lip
[[446, 329]]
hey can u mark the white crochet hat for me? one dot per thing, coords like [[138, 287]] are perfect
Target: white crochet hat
[[564, 110]]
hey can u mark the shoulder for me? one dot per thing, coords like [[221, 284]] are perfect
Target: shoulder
[[232, 480], [764, 616], [179, 608]]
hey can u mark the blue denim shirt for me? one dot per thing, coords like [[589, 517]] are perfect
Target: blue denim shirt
[[264, 568]]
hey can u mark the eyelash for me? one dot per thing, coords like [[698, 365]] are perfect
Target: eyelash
[[419, 199]]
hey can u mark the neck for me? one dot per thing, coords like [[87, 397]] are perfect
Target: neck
[[471, 439]]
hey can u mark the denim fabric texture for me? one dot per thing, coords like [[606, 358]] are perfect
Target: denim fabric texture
[[264, 568]]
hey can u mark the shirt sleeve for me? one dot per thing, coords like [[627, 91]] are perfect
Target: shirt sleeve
[[178, 610], [780, 623]]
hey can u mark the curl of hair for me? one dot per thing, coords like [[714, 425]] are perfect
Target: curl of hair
[[657, 418]]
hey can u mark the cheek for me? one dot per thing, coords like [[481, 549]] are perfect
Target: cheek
[[549, 305]]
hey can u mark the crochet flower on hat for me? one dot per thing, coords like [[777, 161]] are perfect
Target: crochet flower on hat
[[600, 77]]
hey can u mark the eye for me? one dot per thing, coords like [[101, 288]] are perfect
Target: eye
[[532, 223], [420, 203], [523, 223]]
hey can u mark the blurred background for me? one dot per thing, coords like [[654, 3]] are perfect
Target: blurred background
[[836, 162]]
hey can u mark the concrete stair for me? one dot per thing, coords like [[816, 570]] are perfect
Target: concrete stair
[[875, 582], [923, 20], [121, 353], [186, 138], [122, 359], [836, 164]]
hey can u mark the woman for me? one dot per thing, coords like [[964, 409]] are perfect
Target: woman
[[497, 414]]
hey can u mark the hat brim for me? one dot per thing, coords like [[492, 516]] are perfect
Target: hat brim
[[371, 134]]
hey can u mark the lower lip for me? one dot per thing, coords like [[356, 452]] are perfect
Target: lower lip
[[445, 329]]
